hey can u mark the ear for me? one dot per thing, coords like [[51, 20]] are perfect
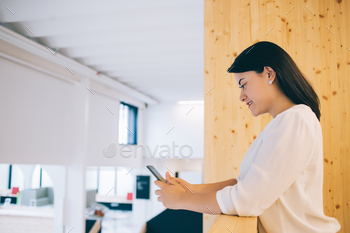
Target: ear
[[271, 73]]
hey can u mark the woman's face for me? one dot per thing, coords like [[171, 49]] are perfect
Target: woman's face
[[255, 89]]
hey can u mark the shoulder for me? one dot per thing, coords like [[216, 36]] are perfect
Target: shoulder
[[296, 115], [294, 122]]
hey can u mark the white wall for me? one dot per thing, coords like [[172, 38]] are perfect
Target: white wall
[[188, 130], [36, 124], [58, 177], [103, 129]]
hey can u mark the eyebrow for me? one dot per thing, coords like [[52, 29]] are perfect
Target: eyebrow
[[239, 82]]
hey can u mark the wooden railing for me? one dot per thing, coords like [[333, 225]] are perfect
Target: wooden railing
[[234, 224], [96, 227]]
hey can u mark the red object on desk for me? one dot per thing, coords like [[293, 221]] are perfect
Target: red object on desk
[[15, 190], [129, 196]]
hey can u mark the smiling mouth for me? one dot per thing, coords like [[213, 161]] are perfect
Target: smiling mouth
[[250, 103]]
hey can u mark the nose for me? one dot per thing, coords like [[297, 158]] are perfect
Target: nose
[[242, 96]]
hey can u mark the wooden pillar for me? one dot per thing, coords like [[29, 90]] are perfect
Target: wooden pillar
[[316, 35]]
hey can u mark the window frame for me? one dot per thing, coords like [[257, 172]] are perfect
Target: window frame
[[135, 121]]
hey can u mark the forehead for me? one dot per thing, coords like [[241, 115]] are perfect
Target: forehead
[[239, 76], [244, 75]]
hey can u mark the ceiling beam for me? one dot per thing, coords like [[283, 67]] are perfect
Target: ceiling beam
[[140, 68], [172, 84], [155, 73], [141, 47], [150, 58], [15, 11], [136, 19], [126, 35]]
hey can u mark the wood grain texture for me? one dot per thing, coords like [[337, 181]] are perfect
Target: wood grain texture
[[316, 34], [226, 223], [96, 227]]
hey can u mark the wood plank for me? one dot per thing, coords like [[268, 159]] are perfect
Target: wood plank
[[234, 224], [96, 227], [322, 54], [246, 225]]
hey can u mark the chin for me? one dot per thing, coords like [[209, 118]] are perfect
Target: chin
[[254, 114]]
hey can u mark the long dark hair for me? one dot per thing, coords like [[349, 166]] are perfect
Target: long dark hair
[[291, 80]]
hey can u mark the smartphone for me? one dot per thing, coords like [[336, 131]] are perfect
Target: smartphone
[[156, 174]]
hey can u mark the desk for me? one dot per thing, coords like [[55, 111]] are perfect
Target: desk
[[114, 202]]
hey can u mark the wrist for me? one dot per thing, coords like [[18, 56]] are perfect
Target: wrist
[[182, 201]]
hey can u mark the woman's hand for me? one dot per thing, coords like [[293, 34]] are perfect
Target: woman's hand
[[170, 194], [187, 186]]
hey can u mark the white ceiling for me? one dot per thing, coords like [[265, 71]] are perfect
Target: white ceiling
[[155, 46]]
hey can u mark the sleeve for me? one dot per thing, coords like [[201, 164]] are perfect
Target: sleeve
[[226, 207], [283, 155]]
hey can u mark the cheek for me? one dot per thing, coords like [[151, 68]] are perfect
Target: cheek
[[252, 94], [256, 93]]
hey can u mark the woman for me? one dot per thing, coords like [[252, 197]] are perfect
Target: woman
[[281, 175]]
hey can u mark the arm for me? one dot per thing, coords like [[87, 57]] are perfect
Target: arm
[[183, 195], [211, 187], [200, 202], [203, 198], [205, 188]]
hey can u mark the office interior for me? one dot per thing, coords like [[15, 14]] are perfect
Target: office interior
[[79, 128], [94, 91]]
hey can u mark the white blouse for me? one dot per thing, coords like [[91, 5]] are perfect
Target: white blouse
[[281, 177]]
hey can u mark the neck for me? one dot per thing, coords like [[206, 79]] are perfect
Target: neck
[[282, 104]]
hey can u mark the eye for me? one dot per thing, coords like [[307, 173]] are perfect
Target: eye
[[242, 86]]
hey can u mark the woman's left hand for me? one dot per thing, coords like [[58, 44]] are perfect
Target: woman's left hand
[[170, 194]]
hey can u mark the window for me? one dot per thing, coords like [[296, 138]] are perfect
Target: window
[[17, 177], [106, 181], [110, 180], [91, 178], [124, 181], [127, 124], [36, 177], [4, 176], [40, 178]]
